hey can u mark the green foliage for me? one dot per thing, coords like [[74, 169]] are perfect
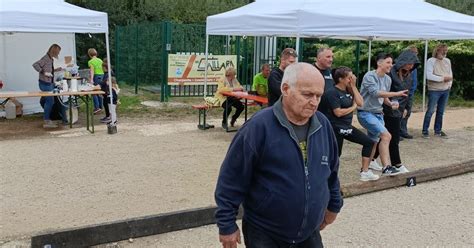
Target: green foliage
[[125, 12], [148, 47], [461, 6]]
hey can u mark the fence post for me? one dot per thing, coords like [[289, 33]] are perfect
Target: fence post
[[136, 59], [245, 72], [117, 62], [166, 48]]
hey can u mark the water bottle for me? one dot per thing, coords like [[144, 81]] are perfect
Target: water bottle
[[64, 85], [10, 110], [74, 85]]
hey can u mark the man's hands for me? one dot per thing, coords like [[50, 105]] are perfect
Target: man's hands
[[329, 218], [402, 93], [231, 240], [447, 79], [48, 74]]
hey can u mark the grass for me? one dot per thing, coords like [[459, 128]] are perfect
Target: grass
[[454, 101], [131, 104]]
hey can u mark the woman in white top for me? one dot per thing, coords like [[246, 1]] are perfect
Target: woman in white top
[[440, 79]]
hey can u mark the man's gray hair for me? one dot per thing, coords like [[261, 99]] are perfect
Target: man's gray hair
[[321, 50], [290, 75]]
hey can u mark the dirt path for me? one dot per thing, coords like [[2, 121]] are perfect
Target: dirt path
[[70, 178], [433, 214]]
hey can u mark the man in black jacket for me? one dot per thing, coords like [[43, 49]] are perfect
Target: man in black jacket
[[288, 57], [402, 79], [324, 58]]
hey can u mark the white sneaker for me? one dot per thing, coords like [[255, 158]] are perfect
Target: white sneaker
[[49, 124], [368, 176], [375, 166], [402, 169]]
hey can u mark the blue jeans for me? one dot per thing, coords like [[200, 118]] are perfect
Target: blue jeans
[[48, 105], [438, 99], [97, 99]]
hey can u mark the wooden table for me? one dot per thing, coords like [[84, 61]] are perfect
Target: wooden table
[[246, 96], [83, 95]]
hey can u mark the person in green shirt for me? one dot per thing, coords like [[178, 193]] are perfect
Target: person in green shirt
[[260, 81], [96, 76]]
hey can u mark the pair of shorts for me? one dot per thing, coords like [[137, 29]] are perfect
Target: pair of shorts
[[374, 124]]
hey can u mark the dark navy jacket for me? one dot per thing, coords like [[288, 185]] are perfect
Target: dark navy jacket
[[265, 171], [274, 84]]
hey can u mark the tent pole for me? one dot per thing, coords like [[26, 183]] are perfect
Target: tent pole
[[368, 57], [357, 69], [298, 47], [205, 70], [424, 74], [109, 80]]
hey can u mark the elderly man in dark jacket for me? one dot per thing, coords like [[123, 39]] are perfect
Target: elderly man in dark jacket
[[282, 166], [402, 79]]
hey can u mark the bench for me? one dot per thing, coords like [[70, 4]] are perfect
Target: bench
[[202, 113], [202, 108]]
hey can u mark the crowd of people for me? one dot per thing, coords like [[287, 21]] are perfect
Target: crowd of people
[[285, 159], [98, 76]]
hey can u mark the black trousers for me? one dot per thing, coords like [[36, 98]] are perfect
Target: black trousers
[[106, 104], [256, 238], [393, 127], [404, 121], [232, 102], [356, 136]]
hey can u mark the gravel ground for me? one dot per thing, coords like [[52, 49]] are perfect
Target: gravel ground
[[69, 178], [434, 214]]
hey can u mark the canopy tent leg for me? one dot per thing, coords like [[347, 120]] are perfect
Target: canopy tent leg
[[424, 74], [113, 114], [298, 47], [205, 71], [357, 69]]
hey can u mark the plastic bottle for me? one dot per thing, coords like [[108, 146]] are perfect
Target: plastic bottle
[[10, 110], [74, 85], [65, 86]]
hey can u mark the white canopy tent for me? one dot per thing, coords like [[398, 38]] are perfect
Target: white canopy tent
[[344, 19], [35, 19]]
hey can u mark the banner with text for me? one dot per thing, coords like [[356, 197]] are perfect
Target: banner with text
[[189, 69]]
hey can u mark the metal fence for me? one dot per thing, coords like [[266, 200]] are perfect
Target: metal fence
[[142, 54]]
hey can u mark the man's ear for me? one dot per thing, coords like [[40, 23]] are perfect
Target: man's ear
[[284, 89]]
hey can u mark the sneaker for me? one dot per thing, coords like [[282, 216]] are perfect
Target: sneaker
[[96, 111], [402, 168], [425, 135], [368, 176], [105, 119], [375, 166], [49, 124], [224, 125], [390, 171], [441, 135], [232, 122]]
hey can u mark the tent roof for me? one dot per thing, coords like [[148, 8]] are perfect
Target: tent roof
[[52, 16], [344, 19]]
